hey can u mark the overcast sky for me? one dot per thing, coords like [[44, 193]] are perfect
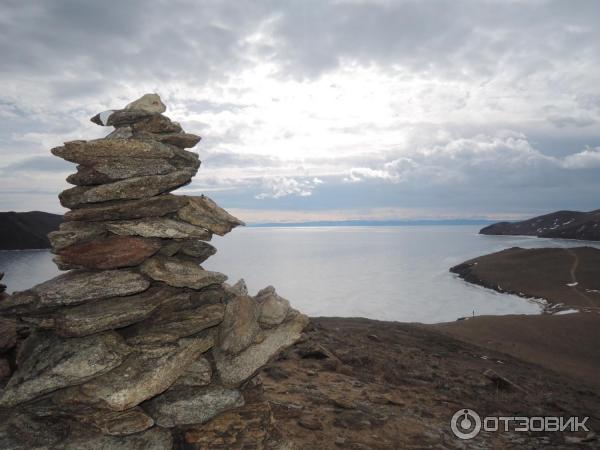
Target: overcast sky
[[320, 109]]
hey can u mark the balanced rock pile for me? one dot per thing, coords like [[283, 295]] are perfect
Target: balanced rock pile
[[136, 346]]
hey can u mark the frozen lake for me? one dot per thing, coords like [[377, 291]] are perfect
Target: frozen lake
[[388, 273]]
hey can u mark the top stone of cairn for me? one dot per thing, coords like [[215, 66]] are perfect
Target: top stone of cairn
[[146, 105], [148, 102]]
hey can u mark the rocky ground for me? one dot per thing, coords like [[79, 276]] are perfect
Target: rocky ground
[[560, 224], [364, 384], [566, 343]]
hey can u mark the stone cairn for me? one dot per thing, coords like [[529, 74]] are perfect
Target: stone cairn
[[136, 346]]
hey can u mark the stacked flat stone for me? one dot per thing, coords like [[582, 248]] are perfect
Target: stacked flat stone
[[136, 345]]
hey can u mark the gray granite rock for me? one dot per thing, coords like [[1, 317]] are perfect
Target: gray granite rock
[[203, 212], [234, 369], [192, 405], [181, 139], [50, 363], [88, 152], [129, 189], [199, 250], [212, 295], [198, 374], [124, 210], [240, 287], [184, 159], [70, 233], [240, 325], [272, 308], [108, 170], [108, 314], [170, 247], [180, 273], [159, 227], [143, 375], [76, 287]]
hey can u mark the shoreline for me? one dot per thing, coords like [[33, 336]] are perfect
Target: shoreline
[[566, 278]]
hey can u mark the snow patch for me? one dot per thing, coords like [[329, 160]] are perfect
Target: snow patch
[[566, 311], [104, 115]]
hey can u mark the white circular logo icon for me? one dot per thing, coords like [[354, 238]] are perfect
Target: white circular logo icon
[[465, 424]]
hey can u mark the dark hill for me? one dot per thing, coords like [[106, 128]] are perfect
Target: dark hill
[[560, 224], [27, 230]]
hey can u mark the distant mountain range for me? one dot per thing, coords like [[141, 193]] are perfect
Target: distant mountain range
[[560, 224], [374, 223], [27, 230]]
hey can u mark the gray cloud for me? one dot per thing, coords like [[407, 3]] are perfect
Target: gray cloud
[[39, 164], [475, 72]]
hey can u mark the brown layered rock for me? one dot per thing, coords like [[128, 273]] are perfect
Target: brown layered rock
[[137, 344], [111, 253]]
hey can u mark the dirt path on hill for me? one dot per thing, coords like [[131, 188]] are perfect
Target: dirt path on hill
[[574, 282]]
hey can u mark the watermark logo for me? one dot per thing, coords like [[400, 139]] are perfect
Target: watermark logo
[[466, 424]]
